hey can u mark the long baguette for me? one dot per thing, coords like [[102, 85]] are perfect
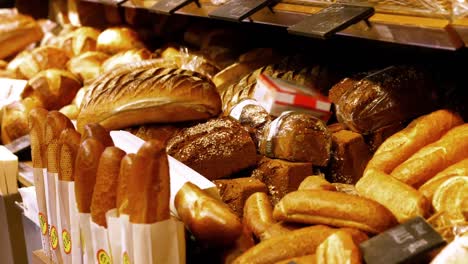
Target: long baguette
[[68, 145], [422, 131], [56, 122], [435, 157], [401, 199], [86, 165], [125, 175], [105, 189], [37, 121], [98, 132], [149, 189], [258, 213], [335, 209]]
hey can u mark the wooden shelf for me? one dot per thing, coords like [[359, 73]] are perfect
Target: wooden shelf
[[461, 27]]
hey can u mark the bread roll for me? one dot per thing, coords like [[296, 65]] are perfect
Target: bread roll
[[98, 132], [435, 157], [338, 248], [125, 175], [297, 243], [458, 169], [87, 65], [307, 259], [118, 99], [56, 122], [71, 111], [43, 58], [208, 219], [333, 208], [105, 189], [316, 183], [37, 120], [80, 40], [15, 119], [86, 165], [401, 199], [149, 189], [258, 213], [14, 65], [68, 145], [117, 39], [54, 88], [449, 200], [124, 58], [419, 133]]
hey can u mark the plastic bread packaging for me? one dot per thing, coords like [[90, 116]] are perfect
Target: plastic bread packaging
[[37, 119], [69, 232], [455, 252]]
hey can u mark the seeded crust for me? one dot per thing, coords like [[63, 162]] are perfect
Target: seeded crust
[[215, 149]]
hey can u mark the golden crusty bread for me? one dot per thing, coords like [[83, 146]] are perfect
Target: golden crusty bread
[[335, 209], [316, 183], [449, 200], [401, 199], [87, 65], [307, 259], [42, 58], [258, 213], [419, 133], [433, 158], [338, 248], [80, 40], [68, 145], [86, 165], [105, 189], [125, 57], [98, 132], [458, 169], [149, 189], [71, 111], [56, 122], [117, 39], [37, 120], [15, 119], [210, 220], [140, 93], [125, 175]]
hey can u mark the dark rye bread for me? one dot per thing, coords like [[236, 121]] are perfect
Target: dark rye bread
[[215, 149], [144, 92]]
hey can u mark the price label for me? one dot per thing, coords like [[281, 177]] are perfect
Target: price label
[[126, 258], [238, 10], [43, 223], [330, 20], [54, 237], [103, 257], [66, 241], [169, 6]]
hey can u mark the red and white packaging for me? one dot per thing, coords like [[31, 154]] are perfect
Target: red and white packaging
[[277, 96]]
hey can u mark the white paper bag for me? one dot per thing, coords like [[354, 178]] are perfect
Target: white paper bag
[[159, 243], [115, 235], [69, 224], [39, 184], [101, 245], [54, 218], [86, 238], [127, 239]]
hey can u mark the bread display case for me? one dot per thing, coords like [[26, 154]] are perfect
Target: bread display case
[[185, 135]]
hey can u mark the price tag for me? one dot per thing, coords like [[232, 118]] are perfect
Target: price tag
[[330, 20], [238, 10], [402, 244], [169, 6]]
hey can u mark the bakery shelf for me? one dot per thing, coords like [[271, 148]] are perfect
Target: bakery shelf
[[461, 26], [418, 31]]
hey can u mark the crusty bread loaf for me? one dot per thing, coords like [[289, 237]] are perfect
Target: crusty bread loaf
[[338, 248], [68, 145], [419, 133], [335, 209], [450, 200], [125, 57], [15, 119], [37, 120], [296, 243], [307, 259], [81, 40], [117, 39], [316, 183], [98, 132], [56, 122], [42, 58], [118, 99], [86, 165], [105, 189], [401, 199], [158, 132], [149, 189], [457, 169], [208, 219], [433, 158], [71, 111], [87, 65], [125, 175], [258, 213]]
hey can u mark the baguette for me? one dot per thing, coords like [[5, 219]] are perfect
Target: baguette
[[68, 145], [419, 133], [457, 169], [98, 132], [258, 213], [435, 157], [37, 118], [338, 248], [105, 189], [316, 183], [86, 165], [56, 122], [149, 189], [124, 177], [401, 199], [297, 243], [210, 220], [335, 209]]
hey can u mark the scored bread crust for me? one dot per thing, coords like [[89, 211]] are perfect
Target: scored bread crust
[[142, 93]]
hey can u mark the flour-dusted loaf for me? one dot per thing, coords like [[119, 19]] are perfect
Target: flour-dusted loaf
[[143, 93]]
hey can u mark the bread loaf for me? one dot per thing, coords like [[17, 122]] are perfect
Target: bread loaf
[[149, 189], [307, 259], [15, 119], [433, 158], [316, 183], [449, 200], [117, 39], [125, 175], [68, 145], [56, 122], [79, 41], [419, 133], [125, 57], [87, 65], [401, 199], [37, 120], [96, 131], [338, 248], [54, 88], [258, 213], [334, 208], [42, 58], [118, 99], [71, 111], [208, 219], [458, 169], [105, 189], [86, 165], [159, 132]]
